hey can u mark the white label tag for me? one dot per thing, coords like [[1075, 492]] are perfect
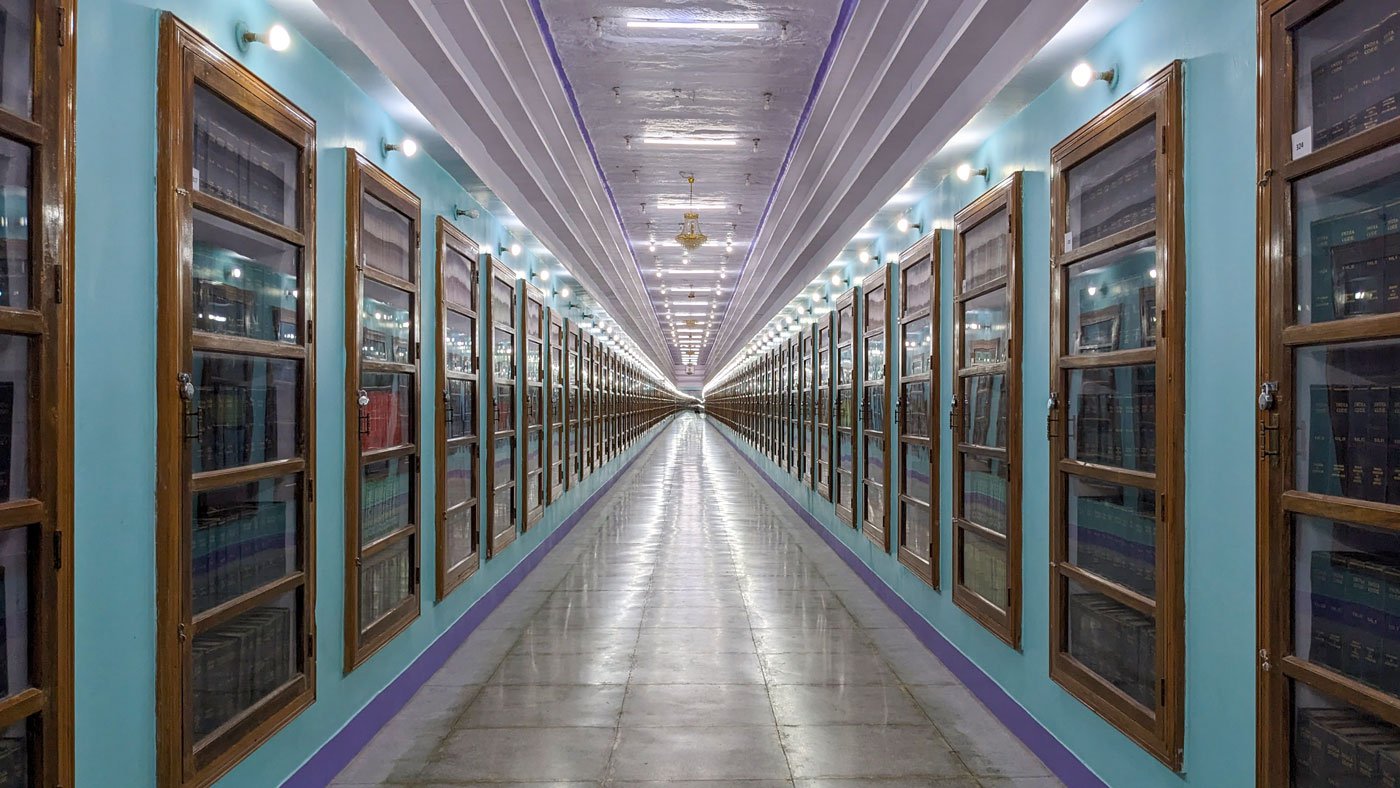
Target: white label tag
[[1302, 142], [196, 179], [1069, 241]]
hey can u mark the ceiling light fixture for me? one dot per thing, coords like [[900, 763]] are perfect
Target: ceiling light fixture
[[688, 140], [627, 141], [767, 100], [617, 96], [782, 30], [514, 250], [276, 38], [636, 176], [965, 172], [409, 147], [699, 24], [755, 144], [468, 213], [690, 235], [1084, 73]]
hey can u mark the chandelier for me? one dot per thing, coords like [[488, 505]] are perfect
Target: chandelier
[[690, 236]]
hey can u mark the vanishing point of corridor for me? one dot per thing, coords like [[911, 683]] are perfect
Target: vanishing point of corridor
[[693, 628]]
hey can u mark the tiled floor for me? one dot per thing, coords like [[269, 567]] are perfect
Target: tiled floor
[[692, 630]]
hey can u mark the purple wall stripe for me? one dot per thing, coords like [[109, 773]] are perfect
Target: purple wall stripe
[[1055, 755], [340, 749]]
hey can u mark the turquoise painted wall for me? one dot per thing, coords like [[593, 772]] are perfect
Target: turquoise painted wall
[[115, 355], [1216, 41]]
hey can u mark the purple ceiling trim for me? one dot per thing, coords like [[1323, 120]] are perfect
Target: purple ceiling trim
[[843, 20]]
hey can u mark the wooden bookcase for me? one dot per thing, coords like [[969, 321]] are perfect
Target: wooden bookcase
[[557, 407], [825, 388], [806, 410], [236, 399], [573, 418], [1116, 420], [917, 408], [499, 298], [877, 390], [846, 334], [456, 440], [986, 416], [532, 347], [1329, 392]]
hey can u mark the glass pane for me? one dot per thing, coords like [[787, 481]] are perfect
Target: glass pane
[[1113, 416], [917, 290], [984, 568], [1345, 69], [19, 549], [242, 538], [1114, 641], [457, 535], [243, 661], [534, 362], [502, 302], [533, 449], [461, 404], [556, 404], [845, 457], [534, 312], [986, 324], [460, 473], [984, 410], [1345, 600], [875, 408], [388, 418], [386, 580], [503, 355], [915, 409], [504, 409], [1113, 532], [534, 406], [15, 403], [385, 497], [845, 409], [986, 251], [1113, 300], [245, 283], [386, 238], [505, 462], [459, 279], [846, 371], [918, 472], [846, 324], [875, 460], [1335, 744], [918, 347], [1348, 239], [984, 485], [386, 324], [916, 533], [503, 511], [844, 493], [1348, 436], [248, 410], [15, 748], [556, 365], [459, 343], [875, 358], [1114, 189], [534, 492], [875, 308], [15, 178], [236, 158]]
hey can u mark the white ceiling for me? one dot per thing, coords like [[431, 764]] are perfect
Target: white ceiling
[[522, 91]]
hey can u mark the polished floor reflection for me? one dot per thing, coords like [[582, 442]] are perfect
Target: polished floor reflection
[[693, 629]]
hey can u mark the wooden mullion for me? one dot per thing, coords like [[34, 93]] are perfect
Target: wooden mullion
[[1120, 594], [1122, 238], [981, 530], [1109, 473], [1359, 145], [1352, 329], [981, 370], [388, 453], [1369, 699], [246, 474], [207, 203], [223, 613], [1376, 515], [390, 367], [972, 294], [1116, 358], [370, 549], [379, 276], [994, 452], [22, 129], [22, 513], [26, 322], [201, 341], [22, 705]]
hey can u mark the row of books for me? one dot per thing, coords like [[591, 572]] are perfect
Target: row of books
[[386, 240], [986, 261], [1343, 748], [14, 762], [1125, 200], [1355, 85], [1117, 542], [984, 499], [1355, 257], [1354, 441], [1115, 642], [1117, 429], [384, 501], [240, 663], [385, 420], [232, 167], [235, 549], [984, 570], [385, 582], [986, 427], [1355, 607], [241, 424], [257, 303]]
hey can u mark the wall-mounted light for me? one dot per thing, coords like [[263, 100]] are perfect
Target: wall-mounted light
[[756, 140], [514, 250], [468, 213], [565, 291], [782, 30], [905, 225], [838, 280], [542, 274], [617, 95], [627, 141], [965, 172], [864, 256], [767, 100], [408, 147], [276, 38], [1084, 73]]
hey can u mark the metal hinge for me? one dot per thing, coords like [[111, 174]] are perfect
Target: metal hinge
[[417, 349], [1008, 599], [311, 644], [57, 549], [180, 632], [417, 464], [62, 26], [1164, 139], [57, 283], [310, 330], [1163, 684], [311, 490]]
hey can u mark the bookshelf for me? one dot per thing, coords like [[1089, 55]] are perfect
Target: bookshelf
[[383, 358], [806, 409], [558, 404], [792, 392], [876, 393], [1116, 458], [498, 280], [235, 513], [918, 397], [987, 410], [1329, 396], [574, 413], [457, 445], [825, 385], [589, 412], [534, 317], [844, 406]]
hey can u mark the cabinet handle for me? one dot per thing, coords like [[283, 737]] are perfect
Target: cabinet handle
[[1051, 422]]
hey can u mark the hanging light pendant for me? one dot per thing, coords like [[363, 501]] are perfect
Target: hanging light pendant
[[690, 236]]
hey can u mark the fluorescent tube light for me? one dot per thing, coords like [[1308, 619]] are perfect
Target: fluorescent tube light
[[704, 142], [661, 24]]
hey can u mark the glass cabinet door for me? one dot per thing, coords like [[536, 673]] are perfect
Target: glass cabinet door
[[502, 450], [917, 461], [534, 336], [823, 407], [876, 427], [458, 447], [556, 409], [846, 407]]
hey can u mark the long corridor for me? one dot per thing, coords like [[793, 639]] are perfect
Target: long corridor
[[693, 629]]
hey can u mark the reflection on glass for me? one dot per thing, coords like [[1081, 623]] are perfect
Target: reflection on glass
[[457, 534], [1114, 641], [241, 538], [532, 452], [918, 470], [459, 343], [1336, 744], [15, 747], [459, 279], [1113, 300], [986, 325], [247, 409], [846, 366], [1345, 590], [984, 483], [1344, 65], [845, 452], [534, 362], [385, 497], [386, 323], [386, 580], [1113, 416], [534, 312], [1348, 416], [916, 533], [875, 408], [915, 409], [19, 549], [844, 493], [504, 472], [984, 568], [236, 158], [846, 324], [534, 410], [1113, 532], [245, 283], [1114, 190], [14, 217], [875, 358], [875, 308], [845, 409], [503, 355], [388, 418], [504, 408], [917, 289], [503, 511], [239, 663], [461, 401], [386, 238], [986, 251], [502, 303], [985, 410], [1347, 245], [918, 347], [15, 404], [460, 474]]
